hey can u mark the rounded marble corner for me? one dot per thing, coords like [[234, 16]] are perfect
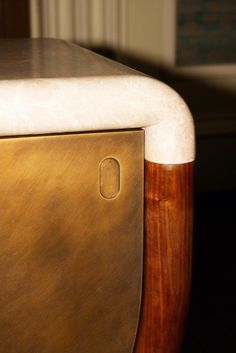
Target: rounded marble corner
[[97, 94], [170, 138]]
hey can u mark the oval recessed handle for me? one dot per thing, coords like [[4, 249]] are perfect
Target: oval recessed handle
[[109, 178]]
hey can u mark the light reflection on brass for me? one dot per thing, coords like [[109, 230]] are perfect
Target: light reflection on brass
[[70, 260], [109, 177]]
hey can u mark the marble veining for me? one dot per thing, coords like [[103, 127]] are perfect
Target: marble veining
[[51, 86]]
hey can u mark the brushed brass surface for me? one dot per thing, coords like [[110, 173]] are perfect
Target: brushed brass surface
[[70, 260]]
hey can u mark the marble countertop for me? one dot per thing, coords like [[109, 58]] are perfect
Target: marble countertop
[[51, 86]]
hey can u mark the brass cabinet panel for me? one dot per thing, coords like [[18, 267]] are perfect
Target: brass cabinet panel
[[70, 259]]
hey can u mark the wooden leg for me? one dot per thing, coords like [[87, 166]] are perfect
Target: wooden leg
[[167, 257]]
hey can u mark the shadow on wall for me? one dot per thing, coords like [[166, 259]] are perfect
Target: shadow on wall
[[214, 111]]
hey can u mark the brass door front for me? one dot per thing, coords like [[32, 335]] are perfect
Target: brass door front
[[71, 239]]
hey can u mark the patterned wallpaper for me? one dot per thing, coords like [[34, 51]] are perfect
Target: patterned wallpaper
[[206, 32]]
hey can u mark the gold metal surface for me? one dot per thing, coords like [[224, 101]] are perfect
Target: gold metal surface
[[70, 259], [109, 178]]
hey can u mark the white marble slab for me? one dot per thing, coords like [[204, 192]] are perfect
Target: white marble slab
[[50, 86]]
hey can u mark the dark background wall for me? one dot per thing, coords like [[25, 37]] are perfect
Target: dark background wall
[[206, 31], [14, 18]]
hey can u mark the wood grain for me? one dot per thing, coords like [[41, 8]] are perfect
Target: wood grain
[[167, 257]]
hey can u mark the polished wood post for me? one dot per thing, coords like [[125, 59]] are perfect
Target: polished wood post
[[167, 257]]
